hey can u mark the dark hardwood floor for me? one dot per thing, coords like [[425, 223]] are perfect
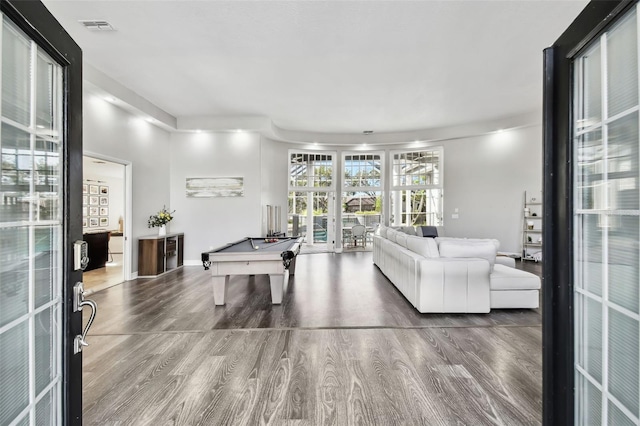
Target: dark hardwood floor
[[344, 348]]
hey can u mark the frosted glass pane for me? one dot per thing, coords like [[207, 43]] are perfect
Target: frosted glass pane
[[622, 164], [623, 262], [45, 345], [623, 359], [588, 255], [46, 262], [589, 336], [14, 273], [16, 71], [14, 372], [45, 414], [17, 167], [589, 171], [590, 110], [622, 65], [617, 417], [588, 403]]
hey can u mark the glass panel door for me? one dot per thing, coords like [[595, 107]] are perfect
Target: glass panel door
[[311, 183], [30, 232], [607, 228]]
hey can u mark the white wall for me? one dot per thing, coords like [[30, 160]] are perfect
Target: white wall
[[113, 132], [213, 222], [485, 178]]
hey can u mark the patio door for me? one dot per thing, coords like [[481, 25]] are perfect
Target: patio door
[[312, 198], [40, 211], [591, 308]]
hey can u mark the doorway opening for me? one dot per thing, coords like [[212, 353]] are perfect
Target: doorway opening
[[104, 205]]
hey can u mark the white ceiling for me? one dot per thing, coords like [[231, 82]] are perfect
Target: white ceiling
[[326, 66]]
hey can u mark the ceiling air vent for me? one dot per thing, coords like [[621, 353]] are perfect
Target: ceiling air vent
[[97, 25], [367, 132]]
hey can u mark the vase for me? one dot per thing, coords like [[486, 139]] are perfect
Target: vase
[[162, 230]]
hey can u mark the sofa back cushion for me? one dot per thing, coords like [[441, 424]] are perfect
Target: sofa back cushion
[[401, 238], [470, 240], [391, 234], [426, 247], [468, 248], [382, 231], [409, 230]]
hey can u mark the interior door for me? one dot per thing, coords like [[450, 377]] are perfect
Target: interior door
[[591, 321], [40, 217]]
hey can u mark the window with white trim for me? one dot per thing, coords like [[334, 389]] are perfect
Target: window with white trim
[[416, 188]]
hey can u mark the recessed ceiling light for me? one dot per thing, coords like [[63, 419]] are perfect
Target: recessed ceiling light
[[315, 143], [151, 120], [500, 130], [238, 130], [110, 99], [198, 131], [364, 144]]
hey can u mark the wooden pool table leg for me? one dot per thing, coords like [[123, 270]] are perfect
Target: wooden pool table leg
[[277, 287], [220, 289]]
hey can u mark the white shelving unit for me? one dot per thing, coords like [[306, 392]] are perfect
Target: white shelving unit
[[532, 226]]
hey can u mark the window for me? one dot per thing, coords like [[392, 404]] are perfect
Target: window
[[311, 170], [416, 193]]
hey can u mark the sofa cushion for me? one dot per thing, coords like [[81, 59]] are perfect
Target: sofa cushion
[[427, 231], [506, 278], [391, 234], [468, 249], [382, 231], [401, 238], [425, 247], [471, 240], [409, 230]]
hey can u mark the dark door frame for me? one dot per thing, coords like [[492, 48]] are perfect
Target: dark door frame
[[557, 319], [32, 17]]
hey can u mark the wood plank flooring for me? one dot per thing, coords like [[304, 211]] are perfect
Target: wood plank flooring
[[344, 348]]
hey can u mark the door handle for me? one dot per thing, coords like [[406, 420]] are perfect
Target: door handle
[[78, 303]]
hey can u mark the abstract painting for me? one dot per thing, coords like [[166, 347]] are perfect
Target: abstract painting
[[215, 187]]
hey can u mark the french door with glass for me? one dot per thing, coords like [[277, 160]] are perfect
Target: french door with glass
[[312, 197], [40, 139], [591, 309]]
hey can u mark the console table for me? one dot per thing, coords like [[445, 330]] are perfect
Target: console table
[[158, 255]]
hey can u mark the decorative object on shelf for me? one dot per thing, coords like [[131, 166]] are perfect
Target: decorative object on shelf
[[532, 225], [160, 220]]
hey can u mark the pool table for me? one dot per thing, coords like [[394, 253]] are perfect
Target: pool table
[[253, 256]]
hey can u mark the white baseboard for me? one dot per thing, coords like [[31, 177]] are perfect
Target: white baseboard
[[193, 263], [134, 275]]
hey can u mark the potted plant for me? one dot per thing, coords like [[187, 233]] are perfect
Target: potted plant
[[160, 220]]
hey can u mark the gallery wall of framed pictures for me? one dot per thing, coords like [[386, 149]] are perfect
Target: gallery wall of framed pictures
[[95, 205]]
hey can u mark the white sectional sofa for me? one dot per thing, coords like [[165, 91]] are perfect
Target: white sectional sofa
[[452, 274]]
